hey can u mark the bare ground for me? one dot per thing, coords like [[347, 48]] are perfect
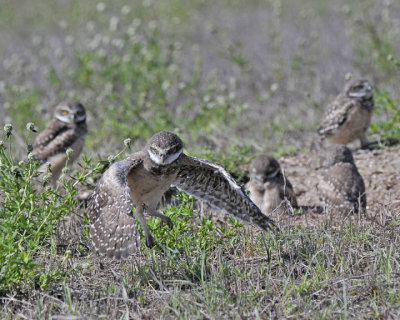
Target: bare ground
[[380, 169]]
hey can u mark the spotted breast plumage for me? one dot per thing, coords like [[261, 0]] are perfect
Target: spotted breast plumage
[[145, 176]]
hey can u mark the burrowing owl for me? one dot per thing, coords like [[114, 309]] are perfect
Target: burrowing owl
[[340, 185], [349, 115], [66, 130], [141, 179], [268, 186]]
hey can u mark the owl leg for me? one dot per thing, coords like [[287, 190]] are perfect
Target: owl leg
[[364, 141], [142, 220], [54, 183], [164, 218]]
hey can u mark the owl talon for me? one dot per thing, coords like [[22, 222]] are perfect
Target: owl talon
[[167, 221], [149, 241]]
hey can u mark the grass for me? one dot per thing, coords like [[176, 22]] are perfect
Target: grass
[[230, 93], [28, 218], [389, 109]]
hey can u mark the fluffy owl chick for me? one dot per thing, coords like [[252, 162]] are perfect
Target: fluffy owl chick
[[141, 180], [340, 185], [349, 115], [268, 186], [66, 130]]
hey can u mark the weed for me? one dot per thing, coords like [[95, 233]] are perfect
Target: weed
[[389, 112], [28, 218]]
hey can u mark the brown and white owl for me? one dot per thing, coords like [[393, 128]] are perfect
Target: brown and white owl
[[348, 117], [141, 180], [340, 186], [268, 186], [67, 130]]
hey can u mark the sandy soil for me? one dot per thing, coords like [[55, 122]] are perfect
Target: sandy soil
[[380, 169]]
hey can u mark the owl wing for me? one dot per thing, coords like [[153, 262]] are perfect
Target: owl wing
[[342, 186], [113, 227], [336, 115], [213, 184], [56, 138]]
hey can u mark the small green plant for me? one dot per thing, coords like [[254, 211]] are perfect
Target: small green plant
[[285, 150], [395, 62], [193, 238], [29, 212], [390, 112], [185, 234]]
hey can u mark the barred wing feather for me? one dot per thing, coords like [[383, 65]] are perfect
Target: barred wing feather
[[213, 184]]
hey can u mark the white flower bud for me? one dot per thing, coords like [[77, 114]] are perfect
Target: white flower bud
[[8, 129], [127, 142]]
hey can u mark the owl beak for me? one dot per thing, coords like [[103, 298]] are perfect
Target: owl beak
[[163, 157], [259, 177]]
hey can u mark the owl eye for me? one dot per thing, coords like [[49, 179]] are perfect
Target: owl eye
[[358, 87], [154, 150], [64, 112], [174, 150]]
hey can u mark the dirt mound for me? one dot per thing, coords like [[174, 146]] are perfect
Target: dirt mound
[[379, 168]]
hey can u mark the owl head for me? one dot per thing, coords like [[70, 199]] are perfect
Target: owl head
[[359, 89], [335, 154], [264, 167], [71, 112], [164, 147]]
